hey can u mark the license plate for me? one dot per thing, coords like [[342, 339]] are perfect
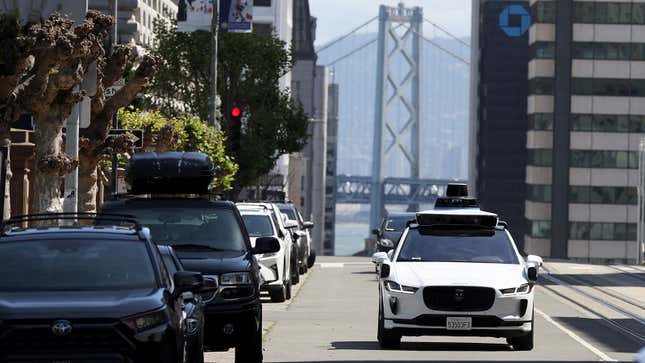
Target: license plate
[[454, 323]]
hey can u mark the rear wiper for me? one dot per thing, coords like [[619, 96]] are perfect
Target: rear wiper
[[193, 246]]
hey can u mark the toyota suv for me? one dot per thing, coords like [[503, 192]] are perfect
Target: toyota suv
[[170, 195], [88, 294]]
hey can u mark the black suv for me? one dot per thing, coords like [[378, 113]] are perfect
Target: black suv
[[209, 236], [73, 293]]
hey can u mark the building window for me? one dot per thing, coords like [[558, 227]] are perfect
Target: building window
[[540, 121], [544, 11], [607, 123], [540, 229], [542, 50], [266, 3], [609, 12], [603, 159], [609, 51], [541, 86], [583, 12], [603, 195], [540, 157], [539, 193], [602, 231], [608, 87]]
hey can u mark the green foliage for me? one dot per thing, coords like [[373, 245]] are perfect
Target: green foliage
[[250, 67], [192, 134]]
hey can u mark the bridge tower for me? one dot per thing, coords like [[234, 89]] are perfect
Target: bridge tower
[[400, 36]]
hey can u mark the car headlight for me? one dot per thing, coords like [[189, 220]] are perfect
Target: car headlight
[[235, 278], [395, 287], [147, 321], [523, 289]]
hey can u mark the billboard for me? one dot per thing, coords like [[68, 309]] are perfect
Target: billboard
[[235, 16], [195, 15]]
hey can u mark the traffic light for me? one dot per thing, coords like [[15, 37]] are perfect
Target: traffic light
[[236, 112]]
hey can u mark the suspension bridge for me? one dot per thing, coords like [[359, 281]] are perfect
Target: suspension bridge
[[403, 112]]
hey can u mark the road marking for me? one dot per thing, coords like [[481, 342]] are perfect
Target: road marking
[[332, 265], [604, 357]]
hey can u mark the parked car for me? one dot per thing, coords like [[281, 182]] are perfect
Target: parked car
[[192, 305], [390, 230], [275, 267], [286, 231], [209, 236], [89, 294], [307, 256]]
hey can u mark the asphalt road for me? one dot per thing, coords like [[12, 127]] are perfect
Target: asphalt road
[[584, 314]]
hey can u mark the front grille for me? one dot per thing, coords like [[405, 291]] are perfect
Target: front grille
[[36, 339], [458, 298]]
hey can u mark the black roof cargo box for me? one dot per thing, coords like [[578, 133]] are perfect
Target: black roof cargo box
[[170, 173]]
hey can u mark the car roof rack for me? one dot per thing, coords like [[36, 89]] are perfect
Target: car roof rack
[[99, 217]]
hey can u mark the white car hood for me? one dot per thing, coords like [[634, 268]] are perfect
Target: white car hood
[[420, 274]]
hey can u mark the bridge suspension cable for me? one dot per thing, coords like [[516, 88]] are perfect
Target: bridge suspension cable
[[438, 46], [443, 30], [345, 36]]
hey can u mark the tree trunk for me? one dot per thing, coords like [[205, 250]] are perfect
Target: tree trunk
[[87, 182], [48, 140]]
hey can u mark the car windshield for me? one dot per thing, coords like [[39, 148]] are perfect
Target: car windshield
[[396, 223], [458, 246], [182, 228], [75, 265], [258, 225]]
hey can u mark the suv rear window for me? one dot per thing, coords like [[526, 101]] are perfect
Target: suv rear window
[[217, 228], [258, 225], [75, 265], [458, 246]]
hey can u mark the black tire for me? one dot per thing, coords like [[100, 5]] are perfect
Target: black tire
[[387, 339], [295, 273], [249, 350], [196, 355], [278, 294], [311, 260], [523, 343], [303, 269], [288, 287]]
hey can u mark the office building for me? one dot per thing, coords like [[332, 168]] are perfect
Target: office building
[[587, 116], [498, 124]]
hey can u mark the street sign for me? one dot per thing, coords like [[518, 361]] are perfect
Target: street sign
[[111, 91], [138, 134], [195, 15]]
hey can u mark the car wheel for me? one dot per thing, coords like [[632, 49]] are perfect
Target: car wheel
[[303, 269], [311, 260], [288, 288], [295, 275], [523, 343], [387, 339], [250, 348], [278, 294]]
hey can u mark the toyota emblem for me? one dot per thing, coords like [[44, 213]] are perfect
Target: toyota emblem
[[459, 295], [62, 328]]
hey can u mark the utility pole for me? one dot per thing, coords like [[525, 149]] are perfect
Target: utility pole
[[213, 97], [115, 119], [77, 12]]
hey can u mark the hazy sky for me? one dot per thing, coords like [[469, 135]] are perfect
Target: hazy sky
[[336, 17]]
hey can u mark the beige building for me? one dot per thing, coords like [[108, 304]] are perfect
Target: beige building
[[586, 111], [136, 17]]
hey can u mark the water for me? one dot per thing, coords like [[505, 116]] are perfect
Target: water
[[350, 238]]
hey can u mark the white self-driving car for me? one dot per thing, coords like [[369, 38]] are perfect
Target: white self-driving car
[[275, 268], [456, 272]]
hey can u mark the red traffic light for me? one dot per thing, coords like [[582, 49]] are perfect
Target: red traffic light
[[236, 112]]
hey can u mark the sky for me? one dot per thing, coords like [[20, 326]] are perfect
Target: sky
[[337, 17]]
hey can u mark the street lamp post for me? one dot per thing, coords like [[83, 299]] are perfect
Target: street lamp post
[[213, 96], [115, 119]]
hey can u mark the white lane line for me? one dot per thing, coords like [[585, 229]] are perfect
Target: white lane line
[[603, 357], [332, 265]]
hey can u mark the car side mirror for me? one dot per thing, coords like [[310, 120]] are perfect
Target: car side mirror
[[289, 224], [266, 245], [379, 258], [376, 232], [537, 260], [384, 271], [308, 225], [532, 273], [187, 281]]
